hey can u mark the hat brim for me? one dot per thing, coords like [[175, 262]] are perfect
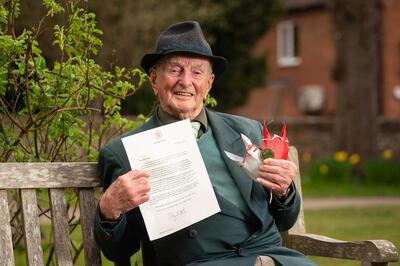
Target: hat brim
[[219, 63]]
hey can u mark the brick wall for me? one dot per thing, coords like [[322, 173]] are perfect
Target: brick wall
[[280, 96], [285, 84]]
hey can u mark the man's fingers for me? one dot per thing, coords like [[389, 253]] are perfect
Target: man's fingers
[[135, 174], [135, 201], [271, 168], [277, 189], [276, 175], [270, 185], [139, 187], [285, 164], [131, 181], [144, 198]]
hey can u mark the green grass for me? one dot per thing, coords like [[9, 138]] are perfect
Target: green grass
[[343, 188], [350, 223], [354, 224]]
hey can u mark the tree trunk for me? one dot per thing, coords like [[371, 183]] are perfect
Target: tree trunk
[[357, 33]]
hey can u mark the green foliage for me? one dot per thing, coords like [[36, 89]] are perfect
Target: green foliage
[[377, 176], [329, 170], [383, 171], [62, 110], [210, 101]]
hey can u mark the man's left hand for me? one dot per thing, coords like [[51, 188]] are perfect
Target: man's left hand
[[276, 175]]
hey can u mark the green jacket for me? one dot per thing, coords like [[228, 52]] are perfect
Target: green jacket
[[217, 240]]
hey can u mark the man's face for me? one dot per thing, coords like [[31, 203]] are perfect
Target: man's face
[[181, 83]]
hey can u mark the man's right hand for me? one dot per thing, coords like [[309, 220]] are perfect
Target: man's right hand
[[127, 192]]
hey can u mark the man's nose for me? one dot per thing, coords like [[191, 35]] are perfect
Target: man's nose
[[186, 78]]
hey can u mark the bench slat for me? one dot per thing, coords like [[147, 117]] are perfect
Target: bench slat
[[299, 227], [6, 248], [87, 206], [32, 235], [48, 175], [60, 227]]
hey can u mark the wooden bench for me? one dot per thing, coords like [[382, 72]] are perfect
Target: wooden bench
[[55, 177], [27, 177]]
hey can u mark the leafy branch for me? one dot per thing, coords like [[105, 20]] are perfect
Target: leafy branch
[[72, 102], [61, 110]]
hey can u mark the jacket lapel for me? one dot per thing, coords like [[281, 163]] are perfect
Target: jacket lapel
[[228, 139]]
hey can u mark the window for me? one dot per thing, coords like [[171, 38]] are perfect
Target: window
[[288, 46]]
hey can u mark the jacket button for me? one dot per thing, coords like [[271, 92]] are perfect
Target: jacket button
[[192, 233], [240, 251]]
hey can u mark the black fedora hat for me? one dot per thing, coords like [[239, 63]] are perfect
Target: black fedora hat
[[185, 37]]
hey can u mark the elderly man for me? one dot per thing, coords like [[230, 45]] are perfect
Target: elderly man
[[182, 71]]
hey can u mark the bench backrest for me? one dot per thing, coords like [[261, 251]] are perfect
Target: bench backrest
[[27, 177]]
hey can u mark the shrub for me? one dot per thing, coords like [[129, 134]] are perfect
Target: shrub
[[329, 170], [382, 171], [62, 110]]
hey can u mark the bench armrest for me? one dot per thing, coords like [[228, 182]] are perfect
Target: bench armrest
[[366, 251]]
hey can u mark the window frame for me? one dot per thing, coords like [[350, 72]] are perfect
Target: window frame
[[287, 44]]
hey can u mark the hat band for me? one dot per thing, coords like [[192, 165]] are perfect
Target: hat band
[[191, 49]]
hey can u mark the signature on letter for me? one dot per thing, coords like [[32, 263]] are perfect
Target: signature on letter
[[173, 216]]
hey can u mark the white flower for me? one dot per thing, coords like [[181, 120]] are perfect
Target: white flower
[[250, 161]]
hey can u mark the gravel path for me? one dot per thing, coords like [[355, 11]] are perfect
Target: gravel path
[[343, 202]]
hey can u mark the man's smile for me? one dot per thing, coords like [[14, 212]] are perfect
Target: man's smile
[[181, 93]]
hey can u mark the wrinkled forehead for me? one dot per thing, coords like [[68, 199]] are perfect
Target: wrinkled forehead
[[185, 60]]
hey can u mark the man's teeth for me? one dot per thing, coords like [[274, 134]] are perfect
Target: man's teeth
[[183, 93]]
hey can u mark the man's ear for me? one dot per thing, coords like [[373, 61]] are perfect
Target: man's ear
[[153, 80], [210, 82]]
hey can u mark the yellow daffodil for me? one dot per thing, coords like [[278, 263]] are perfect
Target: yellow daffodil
[[323, 169], [340, 156], [354, 159], [387, 154]]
